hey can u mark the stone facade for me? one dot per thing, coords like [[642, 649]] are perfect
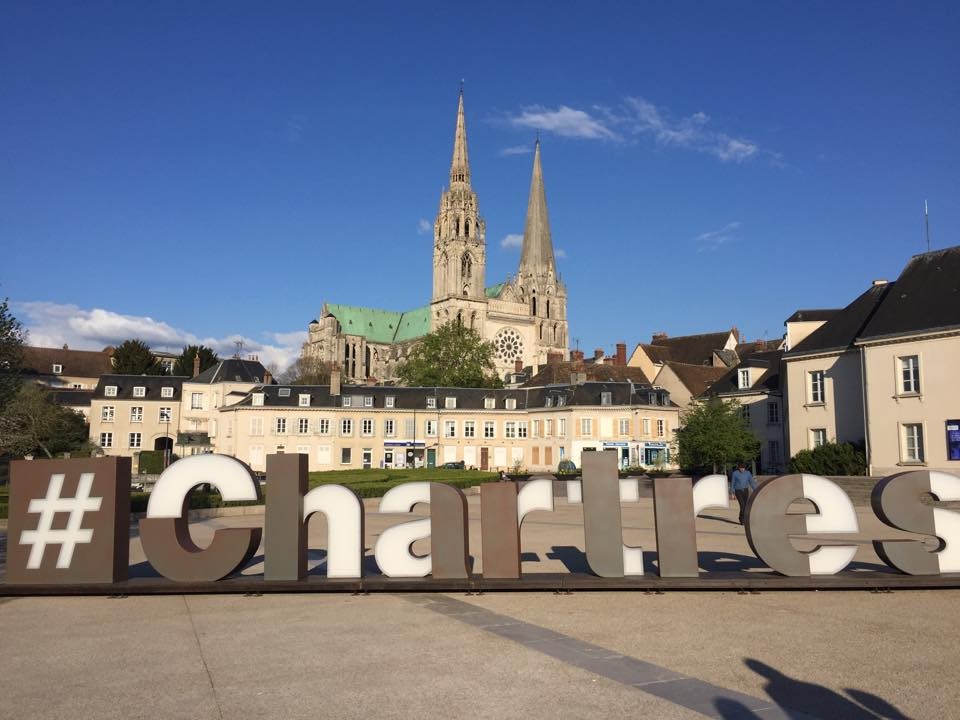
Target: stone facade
[[525, 317]]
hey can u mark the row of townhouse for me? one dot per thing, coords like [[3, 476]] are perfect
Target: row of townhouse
[[229, 409]]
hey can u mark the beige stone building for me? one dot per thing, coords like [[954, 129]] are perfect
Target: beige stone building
[[883, 371], [524, 316]]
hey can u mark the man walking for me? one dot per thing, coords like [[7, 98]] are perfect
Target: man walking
[[741, 484]]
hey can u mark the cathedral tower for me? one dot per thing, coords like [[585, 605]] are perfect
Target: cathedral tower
[[537, 280], [459, 243]]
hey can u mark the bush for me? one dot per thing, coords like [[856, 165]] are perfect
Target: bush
[[150, 462], [830, 459]]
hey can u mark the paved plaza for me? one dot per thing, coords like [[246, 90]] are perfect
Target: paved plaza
[[852, 654]]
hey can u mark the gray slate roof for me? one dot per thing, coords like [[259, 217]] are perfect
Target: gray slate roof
[[232, 370], [152, 383]]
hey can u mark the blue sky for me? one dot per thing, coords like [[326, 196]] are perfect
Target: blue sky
[[184, 171]]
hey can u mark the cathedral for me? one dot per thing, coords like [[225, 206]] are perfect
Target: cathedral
[[525, 316]]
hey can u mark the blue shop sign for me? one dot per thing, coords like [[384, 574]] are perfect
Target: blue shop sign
[[953, 439]]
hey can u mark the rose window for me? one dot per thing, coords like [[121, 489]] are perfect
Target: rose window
[[509, 345]]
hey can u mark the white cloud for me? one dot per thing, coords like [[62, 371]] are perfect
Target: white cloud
[[560, 253], [423, 226], [713, 239], [637, 117], [517, 150], [512, 241], [564, 121], [53, 325]]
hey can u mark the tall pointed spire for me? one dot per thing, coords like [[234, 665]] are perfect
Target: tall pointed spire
[[460, 167], [536, 257]]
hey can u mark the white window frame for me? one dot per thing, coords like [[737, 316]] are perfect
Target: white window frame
[[389, 427], [368, 401], [623, 427], [136, 414], [450, 403], [510, 429], [561, 427], [661, 427], [469, 428], [816, 382], [548, 428], [909, 374], [489, 403], [108, 413], [134, 440], [912, 434], [346, 427], [489, 429], [139, 391], [110, 391], [430, 428], [743, 378], [586, 427], [303, 400], [346, 401], [818, 437], [57, 369], [432, 403], [323, 426], [166, 392], [165, 415], [106, 439], [196, 401], [510, 403], [257, 400], [280, 426], [366, 427], [606, 398], [390, 401], [449, 428], [522, 430], [303, 425]]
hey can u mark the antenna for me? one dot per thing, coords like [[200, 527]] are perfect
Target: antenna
[[239, 345], [926, 223]]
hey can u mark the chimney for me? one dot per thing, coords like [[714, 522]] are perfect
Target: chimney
[[736, 332], [196, 364], [621, 353], [576, 355], [518, 365], [267, 377], [658, 338], [554, 357], [598, 353], [609, 361], [335, 381]]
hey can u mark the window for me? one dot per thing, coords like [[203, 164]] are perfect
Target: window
[[489, 429], [773, 448], [257, 399], [283, 392], [106, 413], [561, 400], [450, 403], [256, 426], [773, 412], [139, 391], [510, 403], [450, 428], [816, 386], [469, 428], [110, 391], [489, 403], [646, 427], [509, 429], [606, 398], [409, 428], [345, 402], [165, 415], [280, 426], [535, 428], [166, 392], [57, 368], [910, 374], [522, 429], [368, 400], [390, 401], [134, 440], [913, 443], [323, 426], [624, 426], [661, 428], [346, 427], [366, 426], [303, 400], [389, 426], [586, 427], [745, 413], [743, 379], [818, 437], [196, 401], [106, 439], [547, 428], [562, 427], [77, 386], [548, 401], [431, 403], [136, 413], [430, 428], [303, 425], [345, 456]]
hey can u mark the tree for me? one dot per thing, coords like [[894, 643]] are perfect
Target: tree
[[453, 355], [133, 357], [308, 369], [184, 365], [31, 424], [830, 459], [713, 435], [12, 339]]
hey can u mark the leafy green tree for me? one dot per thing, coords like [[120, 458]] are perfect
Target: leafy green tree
[[12, 339], [453, 355], [830, 459], [184, 364], [308, 369], [133, 357], [32, 424], [713, 435]]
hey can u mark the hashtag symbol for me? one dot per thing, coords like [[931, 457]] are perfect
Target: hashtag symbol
[[47, 508]]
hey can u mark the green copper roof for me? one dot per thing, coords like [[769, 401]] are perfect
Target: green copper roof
[[494, 290], [381, 326]]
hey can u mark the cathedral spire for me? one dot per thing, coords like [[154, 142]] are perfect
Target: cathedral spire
[[460, 167], [536, 257]]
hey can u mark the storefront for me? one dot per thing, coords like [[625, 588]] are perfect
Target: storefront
[[623, 452], [654, 454], [402, 454]]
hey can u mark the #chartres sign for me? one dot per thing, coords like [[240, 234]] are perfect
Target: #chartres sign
[[69, 523]]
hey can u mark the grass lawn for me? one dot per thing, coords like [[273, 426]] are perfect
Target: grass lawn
[[375, 482]]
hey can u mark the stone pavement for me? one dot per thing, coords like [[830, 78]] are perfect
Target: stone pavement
[[850, 654]]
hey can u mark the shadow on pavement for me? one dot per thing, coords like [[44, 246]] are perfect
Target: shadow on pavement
[[812, 700]]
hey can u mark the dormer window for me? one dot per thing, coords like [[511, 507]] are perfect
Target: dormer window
[[450, 403], [368, 401], [166, 392], [346, 401], [743, 379], [510, 403], [606, 398], [57, 368], [489, 403], [110, 391], [389, 401], [283, 392], [303, 400], [257, 399], [431, 403], [139, 391]]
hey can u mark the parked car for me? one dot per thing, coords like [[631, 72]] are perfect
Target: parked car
[[458, 465]]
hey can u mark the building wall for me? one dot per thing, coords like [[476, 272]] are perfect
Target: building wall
[[120, 424], [890, 408], [667, 379]]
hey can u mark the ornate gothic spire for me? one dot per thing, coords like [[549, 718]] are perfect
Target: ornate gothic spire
[[460, 167], [536, 258]]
